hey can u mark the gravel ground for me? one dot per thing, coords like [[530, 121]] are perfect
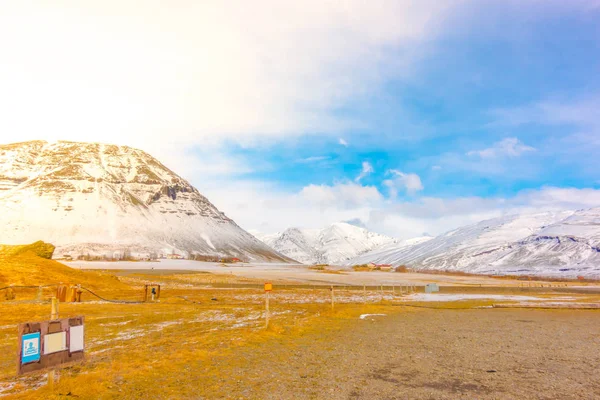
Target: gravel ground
[[430, 354]]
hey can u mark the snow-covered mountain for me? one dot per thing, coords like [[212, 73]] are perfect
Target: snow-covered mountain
[[89, 198], [332, 245], [552, 243], [386, 253]]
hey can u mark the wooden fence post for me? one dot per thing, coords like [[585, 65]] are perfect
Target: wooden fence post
[[54, 310], [267, 312], [53, 316], [332, 297]]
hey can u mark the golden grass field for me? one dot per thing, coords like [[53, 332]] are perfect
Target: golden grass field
[[205, 338]]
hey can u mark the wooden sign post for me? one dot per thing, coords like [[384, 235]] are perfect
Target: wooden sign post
[[268, 289], [53, 316], [54, 309]]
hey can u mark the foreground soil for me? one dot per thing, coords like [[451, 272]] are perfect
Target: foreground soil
[[409, 353], [435, 354]]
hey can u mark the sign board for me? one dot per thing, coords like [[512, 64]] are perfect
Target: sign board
[[432, 287], [49, 344], [268, 287]]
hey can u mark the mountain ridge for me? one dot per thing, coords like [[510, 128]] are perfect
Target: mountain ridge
[[102, 199], [333, 244]]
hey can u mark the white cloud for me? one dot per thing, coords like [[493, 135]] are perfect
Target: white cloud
[[578, 138], [343, 142], [507, 147], [582, 112], [262, 206], [439, 215], [555, 198], [199, 72], [367, 169], [346, 195], [411, 183], [309, 160]]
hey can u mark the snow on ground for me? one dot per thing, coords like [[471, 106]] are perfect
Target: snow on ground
[[310, 297], [116, 323], [5, 387], [459, 297], [292, 273], [365, 316], [226, 321]]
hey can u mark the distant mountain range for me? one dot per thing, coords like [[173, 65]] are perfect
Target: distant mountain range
[[106, 200], [552, 243], [334, 244], [563, 243], [111, 201]]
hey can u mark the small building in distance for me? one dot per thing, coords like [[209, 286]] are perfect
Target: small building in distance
[[432, 288]]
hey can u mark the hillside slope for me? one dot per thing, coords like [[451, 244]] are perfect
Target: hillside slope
[[31, 268], [106, 200]]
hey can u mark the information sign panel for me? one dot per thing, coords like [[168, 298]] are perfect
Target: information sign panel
[[55, 342], [31, 347], [76, 339]]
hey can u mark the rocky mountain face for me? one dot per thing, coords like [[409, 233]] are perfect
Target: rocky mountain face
[[550, 244], [106, 200], [334, 244]]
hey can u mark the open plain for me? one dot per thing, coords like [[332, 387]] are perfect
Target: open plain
[[207, 338]]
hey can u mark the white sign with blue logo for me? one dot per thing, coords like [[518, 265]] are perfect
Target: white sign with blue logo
[[31, 348]]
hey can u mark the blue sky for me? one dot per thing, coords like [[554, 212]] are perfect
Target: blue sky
[[454, 120], [411, 117]]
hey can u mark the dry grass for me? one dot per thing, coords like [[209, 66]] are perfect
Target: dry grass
[[178, 348], [163, 349], [333, 271], [39, 248], [202, 333], [29, 269]]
